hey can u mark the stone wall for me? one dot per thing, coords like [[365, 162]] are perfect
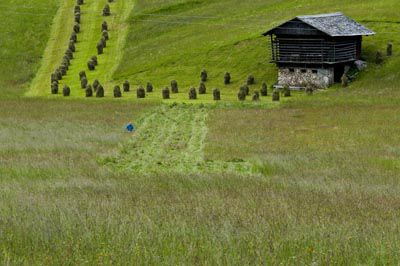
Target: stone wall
[[301, 77]]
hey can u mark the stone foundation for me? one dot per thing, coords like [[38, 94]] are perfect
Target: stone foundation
[[303, 77]]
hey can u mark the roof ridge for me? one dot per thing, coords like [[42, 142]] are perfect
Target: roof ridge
[[322, 15]]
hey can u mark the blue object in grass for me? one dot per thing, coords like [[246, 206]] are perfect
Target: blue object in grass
[[130, 127]]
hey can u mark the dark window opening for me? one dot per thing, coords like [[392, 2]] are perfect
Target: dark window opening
[[304, 71], [291, 70], [315, 71]]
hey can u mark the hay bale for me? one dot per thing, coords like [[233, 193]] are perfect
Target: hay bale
[[389, 49], [106, 10], [203, 75], [74, 37], [104, 42], [94, 60], [378, 58], [345, 80], [91, 65], [275, 95], [82, 74], [149, 87], [140, 92], [126, 86], [242, 94], [227, 78], [174, 86], [286, 91], [192, 94], [65, 65], [217, 94], [95, 84], [53, 78], [202, 88], [309, 90], [66, 91], [104, 26], [100, 91], [78, 17], [256, 96], [69, 54], [66, 62], [99, 48], [63, 70], [84, 82], [246, 89], [264, 89], [89, 91], [250, 80], [79, 2], [117, 92], [105, 35], [165, 93], [77, 8], [77, 28], [54, 88], [71, 46]]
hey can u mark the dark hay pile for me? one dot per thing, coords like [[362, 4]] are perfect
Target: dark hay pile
[[117, 92], [192, 94], [94, 60], [202, 88], [89, 91], [77, 28], [54, 88], [242, 94], [69, 54], [84, 82], [82, 74], [256, 96], [227, 78], [77, 9], [74, 37], [246, 89], [203, 75], [140, 92], [379, 58], [78, 17], [66, 91], [65, 64], [174, 86], [63, 70], [100, 91], [149, 87], [105, 35], [264, 89], [250, 80], [275, 95], [100, 48], [165, 93], [309, 90], [79, 2], [53, 78], [389, 49], [217, 95], [58, 74], [106, 10], [95, 84], [286, 91], [126, 86], [66, 61], [345, 80], [71, 46], [104, 26], [103, 41], [91, 65]]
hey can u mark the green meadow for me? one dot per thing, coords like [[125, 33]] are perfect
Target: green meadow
[[309, 180]]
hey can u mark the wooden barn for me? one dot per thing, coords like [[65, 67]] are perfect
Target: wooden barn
[[315, 50]]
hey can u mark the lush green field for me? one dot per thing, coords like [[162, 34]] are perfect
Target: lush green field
[[313, 180]]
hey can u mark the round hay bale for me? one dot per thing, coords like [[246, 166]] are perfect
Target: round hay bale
[[246, 89], [104, 42], [217, 94], [126, 86], [54, 88], [345, 80], [117, 92], [309, 90], [91, 65], [105, 35], [63, 70], [192, 94], [149, 87], [66, 91], [389, 49], [174, 86], [95, 84], [100, 91], [140, 92], [100, 48], [82, 74], [71, 46], [227, 78], [264, 89], [84, 83], [242, 94], [286, 91], [104, 26], [250, 80], [77, 8], [203, 75], [89, 91], [77, 28], [378, 58], [275, 95], [78, 17], [106, 10], [202, 88], [256, 96], [74, 37], [94, 60], [165, 93], [79, 2]]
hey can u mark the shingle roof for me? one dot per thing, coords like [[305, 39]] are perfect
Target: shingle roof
[[335, 25]]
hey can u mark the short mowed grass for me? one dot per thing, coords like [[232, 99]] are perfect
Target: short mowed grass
[[326, 190]]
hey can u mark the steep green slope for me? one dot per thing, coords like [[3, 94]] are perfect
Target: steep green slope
[[24, 34]]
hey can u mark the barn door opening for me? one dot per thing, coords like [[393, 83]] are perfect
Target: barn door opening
[[339, 70]]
